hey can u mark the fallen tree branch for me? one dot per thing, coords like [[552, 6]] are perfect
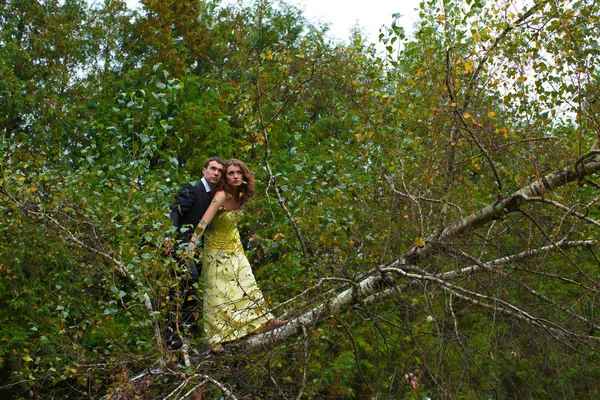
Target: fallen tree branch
[[516, 257], [384, 280]]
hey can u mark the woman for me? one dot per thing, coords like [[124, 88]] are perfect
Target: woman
[[233, 303]]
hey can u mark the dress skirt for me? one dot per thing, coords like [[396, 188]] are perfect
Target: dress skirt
[[233, 303]]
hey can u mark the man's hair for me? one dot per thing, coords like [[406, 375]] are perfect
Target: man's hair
[[216, 159]]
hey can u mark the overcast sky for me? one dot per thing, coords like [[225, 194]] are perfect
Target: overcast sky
[[370, 15], [342, 15]]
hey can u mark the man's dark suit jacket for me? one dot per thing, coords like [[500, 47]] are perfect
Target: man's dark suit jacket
[[191, 203]]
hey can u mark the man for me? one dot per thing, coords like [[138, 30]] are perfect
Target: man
[[190, 205]]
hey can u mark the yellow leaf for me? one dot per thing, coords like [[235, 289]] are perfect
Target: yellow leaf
[[522, 79], [469, 66], [27, 359], [466, 115], [491, 114]]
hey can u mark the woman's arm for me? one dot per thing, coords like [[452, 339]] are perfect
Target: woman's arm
[[215, 205]]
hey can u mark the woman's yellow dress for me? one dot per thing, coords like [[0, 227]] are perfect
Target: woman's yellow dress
[[233, 303]]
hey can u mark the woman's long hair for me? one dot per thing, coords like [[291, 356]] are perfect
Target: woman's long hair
[[246, 189]]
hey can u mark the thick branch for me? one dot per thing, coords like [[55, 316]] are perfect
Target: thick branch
[[506, 205], [377, 283]]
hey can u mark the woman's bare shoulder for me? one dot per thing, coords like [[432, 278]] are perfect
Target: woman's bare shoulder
[[220, 195]]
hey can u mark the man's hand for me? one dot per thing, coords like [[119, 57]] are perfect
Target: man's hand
[[190, 249]]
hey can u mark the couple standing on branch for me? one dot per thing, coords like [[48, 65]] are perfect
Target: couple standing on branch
[[233, 305]]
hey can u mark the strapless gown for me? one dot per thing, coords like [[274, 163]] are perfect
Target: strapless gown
[[233, 303]]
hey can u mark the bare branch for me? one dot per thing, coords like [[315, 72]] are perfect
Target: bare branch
[[305, 366], [155, 325], [486, 154], [516, 257], [570, 210], [73, 238], [272, 180], [413, 197], [497, 41], [491, 303], [530, 290], [508, 204], [228, 393]]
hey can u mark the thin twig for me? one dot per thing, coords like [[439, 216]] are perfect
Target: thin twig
[[157, 335], [305, 364]]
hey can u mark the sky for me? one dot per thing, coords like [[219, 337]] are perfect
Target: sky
[[342, 15], [370, 15]]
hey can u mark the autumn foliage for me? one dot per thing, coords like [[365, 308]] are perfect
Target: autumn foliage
[[426, 215]]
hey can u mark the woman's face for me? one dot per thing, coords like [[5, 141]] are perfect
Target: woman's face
[[234, 176]]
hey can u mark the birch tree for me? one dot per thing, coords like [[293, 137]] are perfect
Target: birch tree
[[426, 218]]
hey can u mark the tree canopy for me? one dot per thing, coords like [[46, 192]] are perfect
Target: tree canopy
[[426, 216]]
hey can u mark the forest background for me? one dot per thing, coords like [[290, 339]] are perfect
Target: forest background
[[426, 218]]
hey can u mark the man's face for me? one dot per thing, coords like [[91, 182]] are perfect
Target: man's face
[[213, 173]]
